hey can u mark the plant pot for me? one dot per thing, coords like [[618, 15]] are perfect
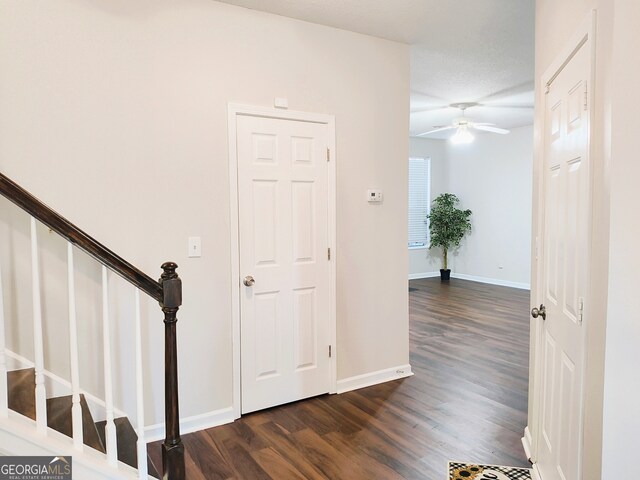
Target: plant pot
[[445, 274]]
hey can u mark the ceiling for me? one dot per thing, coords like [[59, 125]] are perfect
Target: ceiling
[[461, 51]]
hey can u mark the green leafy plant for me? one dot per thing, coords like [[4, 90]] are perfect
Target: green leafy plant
[[447, 223]]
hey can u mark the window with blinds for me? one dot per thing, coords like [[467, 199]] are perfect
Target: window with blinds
[[419, 194]]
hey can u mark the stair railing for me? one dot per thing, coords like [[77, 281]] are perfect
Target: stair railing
[[167, 291]]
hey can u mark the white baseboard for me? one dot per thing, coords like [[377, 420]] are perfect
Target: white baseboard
[[536, 473], [491, 281], [416, 276], [473, 278], [526, 443], [373, 378], [192, 424]]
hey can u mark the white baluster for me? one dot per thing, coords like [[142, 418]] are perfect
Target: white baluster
[[41, 393], [4, 409], [142, 444], [76, 408], [110, 427]]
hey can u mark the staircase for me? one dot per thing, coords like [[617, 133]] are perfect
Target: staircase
[[33, 422], [22, 399]]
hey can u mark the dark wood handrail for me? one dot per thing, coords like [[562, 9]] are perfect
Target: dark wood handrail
[[63, 227]]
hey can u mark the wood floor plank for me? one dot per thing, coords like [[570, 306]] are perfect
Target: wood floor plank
[[275, 465], [329, 460], [207, 457], [243, 464], [350, 447], [467, 400], [284, 444]]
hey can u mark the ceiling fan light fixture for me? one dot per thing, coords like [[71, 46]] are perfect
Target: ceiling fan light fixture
[[462, 136]]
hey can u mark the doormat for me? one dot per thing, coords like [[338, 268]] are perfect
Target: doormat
[[474, 471]]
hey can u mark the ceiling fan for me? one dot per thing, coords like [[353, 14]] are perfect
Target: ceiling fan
[[462, 125]]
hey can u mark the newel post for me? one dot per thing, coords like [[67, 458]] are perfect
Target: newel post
[[172, 448]]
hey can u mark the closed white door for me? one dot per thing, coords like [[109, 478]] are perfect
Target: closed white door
[[284, 262], [565, 269]]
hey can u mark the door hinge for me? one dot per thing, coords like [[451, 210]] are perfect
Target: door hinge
[[329, 351], [580, 309], [328, 154], [328, 253], [586, 97]]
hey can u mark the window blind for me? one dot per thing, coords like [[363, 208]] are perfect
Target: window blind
[[419, 205]]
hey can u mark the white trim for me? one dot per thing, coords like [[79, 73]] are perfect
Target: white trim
[[18, 362], [473, 278], [536, 473], [195, 423], [235, 259], [374, 378], [333, 244], [491, 281], [417, 276], [234, 110], [526, 444]]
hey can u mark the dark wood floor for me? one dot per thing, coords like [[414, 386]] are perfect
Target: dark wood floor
[[467, 401]]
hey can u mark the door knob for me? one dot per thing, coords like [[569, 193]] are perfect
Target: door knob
[[539, 312], [249, 280]]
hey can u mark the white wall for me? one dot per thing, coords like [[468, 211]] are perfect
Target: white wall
[[492, 177], [115, 114], [621, 417]]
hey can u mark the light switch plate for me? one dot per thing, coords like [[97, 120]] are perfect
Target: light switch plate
[[195, 247]]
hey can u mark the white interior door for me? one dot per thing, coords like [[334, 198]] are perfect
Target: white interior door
[[283, 241], [565, 269]]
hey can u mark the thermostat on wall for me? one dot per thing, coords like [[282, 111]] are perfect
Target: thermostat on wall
[[374, 196]]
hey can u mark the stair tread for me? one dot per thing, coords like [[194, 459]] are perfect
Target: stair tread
[[21, 392], [59, 418], [127, 443], [22, 399]]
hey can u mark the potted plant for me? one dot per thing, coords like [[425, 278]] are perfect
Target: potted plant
[[447, 226]]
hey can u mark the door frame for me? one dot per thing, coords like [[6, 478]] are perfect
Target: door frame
[[235, 110], [584, 36]]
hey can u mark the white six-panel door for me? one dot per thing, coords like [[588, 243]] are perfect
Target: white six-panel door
[[565, 268], [284, 265]]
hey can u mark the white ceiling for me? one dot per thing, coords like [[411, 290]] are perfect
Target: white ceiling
[[461, 51]]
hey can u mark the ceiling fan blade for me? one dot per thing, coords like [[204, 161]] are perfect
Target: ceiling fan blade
[[511, 105], [487, 128], [483, 123], [428, 109], [525, 87], [442, 129]]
